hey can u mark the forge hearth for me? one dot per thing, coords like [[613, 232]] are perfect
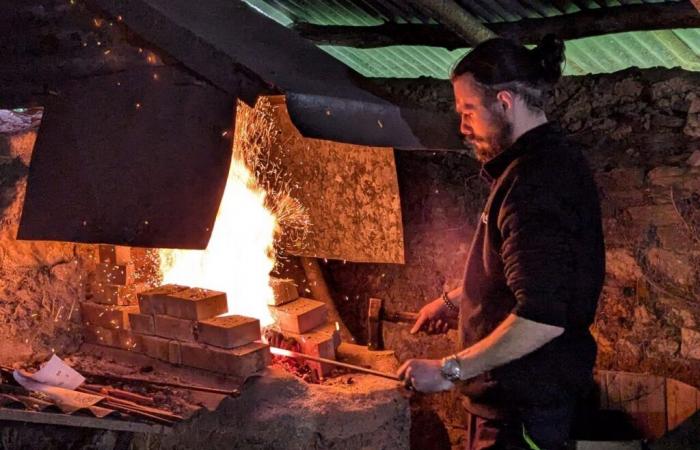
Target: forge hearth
[[271, 410]]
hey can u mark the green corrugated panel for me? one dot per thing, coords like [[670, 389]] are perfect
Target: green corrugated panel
[[691, 38], [360, 12], [597, 54]]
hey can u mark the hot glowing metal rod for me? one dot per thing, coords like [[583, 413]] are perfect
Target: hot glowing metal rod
[[291, 354]]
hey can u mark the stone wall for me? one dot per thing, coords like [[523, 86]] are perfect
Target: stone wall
[[642, 132], [41, 283], [642, 129]]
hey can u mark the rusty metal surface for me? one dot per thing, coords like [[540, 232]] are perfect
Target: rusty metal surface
[[136, 158], [351, 194]]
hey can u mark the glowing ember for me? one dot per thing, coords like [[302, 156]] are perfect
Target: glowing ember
[[282, 352], [240, 254]]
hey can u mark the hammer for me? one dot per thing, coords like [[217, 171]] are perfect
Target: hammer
[[376, 314]]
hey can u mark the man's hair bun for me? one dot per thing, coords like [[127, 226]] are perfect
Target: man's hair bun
[[550, 56]]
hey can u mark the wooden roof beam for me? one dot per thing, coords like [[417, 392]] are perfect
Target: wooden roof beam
[[455, 18], [528, 31]]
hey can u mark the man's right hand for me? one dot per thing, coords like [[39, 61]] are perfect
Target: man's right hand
[[433, 318]]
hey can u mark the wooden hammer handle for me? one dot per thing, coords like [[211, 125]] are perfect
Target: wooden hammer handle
[[400, 316]]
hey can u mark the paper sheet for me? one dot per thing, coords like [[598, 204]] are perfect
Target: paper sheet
[[58, 381], [68, 400], [57, 373]]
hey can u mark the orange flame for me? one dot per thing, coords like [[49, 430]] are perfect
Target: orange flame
[[240, 254]]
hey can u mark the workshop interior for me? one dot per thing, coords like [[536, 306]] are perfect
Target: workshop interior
[[221, 219]]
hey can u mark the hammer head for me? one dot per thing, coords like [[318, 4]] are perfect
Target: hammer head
[[374, 324]]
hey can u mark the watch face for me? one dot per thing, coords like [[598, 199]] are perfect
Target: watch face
[[450, 369]]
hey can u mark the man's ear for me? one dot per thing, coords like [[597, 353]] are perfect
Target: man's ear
[[507, 100]]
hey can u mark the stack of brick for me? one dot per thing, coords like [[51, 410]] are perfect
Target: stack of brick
[[111, 297], [179, 325], [306, 321]]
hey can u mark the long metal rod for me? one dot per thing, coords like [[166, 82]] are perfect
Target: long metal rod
[[297, 355], [233, 392]]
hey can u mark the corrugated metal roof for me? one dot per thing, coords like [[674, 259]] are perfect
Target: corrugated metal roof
[[590, 55]]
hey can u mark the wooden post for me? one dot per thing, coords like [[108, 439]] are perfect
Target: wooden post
[[320, 291]]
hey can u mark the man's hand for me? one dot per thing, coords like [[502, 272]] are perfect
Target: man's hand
[[433, 317], [424, 375]]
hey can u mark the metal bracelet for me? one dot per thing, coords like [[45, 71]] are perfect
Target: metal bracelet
[[451, 306]]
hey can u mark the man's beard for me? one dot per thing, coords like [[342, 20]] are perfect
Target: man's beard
[[488, 147]]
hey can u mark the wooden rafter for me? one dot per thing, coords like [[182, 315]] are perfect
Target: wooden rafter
[[696, 3], [528, 31], [455, 18]]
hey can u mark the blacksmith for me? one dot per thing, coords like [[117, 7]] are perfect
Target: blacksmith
[[536, 265]]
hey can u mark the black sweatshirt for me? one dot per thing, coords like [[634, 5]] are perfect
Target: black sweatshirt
[[538, 253]]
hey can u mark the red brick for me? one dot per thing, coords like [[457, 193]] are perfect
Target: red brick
[[106, 316], [284, 291], [156, 347], [152, 301], [113, 254], [174, 328], [141, 323], [110, 294], [174, 353], [228, 331], [332, 330], [115, 274], [322, 342], [195, 304], [240, 362], [123, 339], [300, 316]]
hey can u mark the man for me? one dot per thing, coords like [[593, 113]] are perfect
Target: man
[[536, 265]]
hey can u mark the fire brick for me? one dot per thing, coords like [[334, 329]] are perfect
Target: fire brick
[[174, 328], [123, 339], [156, 347], [300, 316], [240, 361], [114, 254], [141, 323], [106, 316], [195, 304], [322, 342], [119, 274], [229, 331], [174, 353], [284, 291], [109, 294], [153, 301]]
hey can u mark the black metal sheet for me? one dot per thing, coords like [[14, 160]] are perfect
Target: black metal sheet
[[325, 98], [138, 158], [374, 123]]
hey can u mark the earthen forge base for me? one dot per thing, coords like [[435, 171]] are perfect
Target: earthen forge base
[[274, 410]]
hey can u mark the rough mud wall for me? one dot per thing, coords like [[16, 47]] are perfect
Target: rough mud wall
[[642, 132], [41, 283]]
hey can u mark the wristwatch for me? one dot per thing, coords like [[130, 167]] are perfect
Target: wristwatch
[[451, 369]]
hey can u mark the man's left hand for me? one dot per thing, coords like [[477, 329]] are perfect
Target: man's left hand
[[424, 375]]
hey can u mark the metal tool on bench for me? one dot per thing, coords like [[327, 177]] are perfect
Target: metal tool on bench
[[375, 315]]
